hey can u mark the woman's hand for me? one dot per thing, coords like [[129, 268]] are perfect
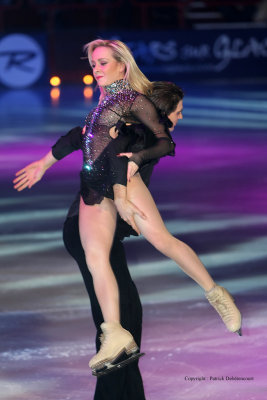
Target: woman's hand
[[132, 166], [29, 175], [127, 210]]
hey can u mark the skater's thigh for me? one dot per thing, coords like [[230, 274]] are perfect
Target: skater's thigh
[[97, 225], [139, 194]]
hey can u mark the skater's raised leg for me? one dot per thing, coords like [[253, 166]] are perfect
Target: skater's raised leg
[[155, 232]]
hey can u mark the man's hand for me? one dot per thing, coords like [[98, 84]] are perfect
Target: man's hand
[[33, 173], [132, 166], [29, 175], [127, 210]]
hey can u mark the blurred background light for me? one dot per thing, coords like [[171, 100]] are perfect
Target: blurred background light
[[88, 79], [88, 92], [55, 95], [55, 81]]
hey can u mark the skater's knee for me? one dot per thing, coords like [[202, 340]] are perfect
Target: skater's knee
[[161, 241], [95, 257]]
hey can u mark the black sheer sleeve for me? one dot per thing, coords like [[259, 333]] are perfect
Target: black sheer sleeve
[[144, 110], [118, 165], [68, 143]]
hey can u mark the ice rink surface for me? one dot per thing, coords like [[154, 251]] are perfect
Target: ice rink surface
[[212, 195]]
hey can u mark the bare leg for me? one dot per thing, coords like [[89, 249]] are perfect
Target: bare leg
[[155, 232], [97, 225]]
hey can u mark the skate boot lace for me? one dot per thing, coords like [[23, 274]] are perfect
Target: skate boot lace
[[222, 305]]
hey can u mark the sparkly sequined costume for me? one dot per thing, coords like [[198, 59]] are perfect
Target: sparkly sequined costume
[[101, 166]]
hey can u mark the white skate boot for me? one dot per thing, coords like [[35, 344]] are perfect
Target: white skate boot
[[224, 304], [118, 349]]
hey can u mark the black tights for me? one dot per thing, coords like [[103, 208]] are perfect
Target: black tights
[[124, 384]]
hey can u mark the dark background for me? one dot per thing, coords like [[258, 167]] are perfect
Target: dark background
[[184, 40]]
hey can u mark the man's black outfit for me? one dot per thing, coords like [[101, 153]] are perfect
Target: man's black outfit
[[124, 384]]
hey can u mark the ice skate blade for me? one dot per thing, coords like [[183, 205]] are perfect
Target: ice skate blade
[[119, 364], [239, 332]]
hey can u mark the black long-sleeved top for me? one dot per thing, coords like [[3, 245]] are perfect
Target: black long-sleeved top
[[135, 138], [138, 138]]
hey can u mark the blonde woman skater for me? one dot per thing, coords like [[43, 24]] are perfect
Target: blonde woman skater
[[110, 183]]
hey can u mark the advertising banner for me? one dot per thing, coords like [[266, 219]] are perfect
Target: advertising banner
[[22, 60], [200, 54]]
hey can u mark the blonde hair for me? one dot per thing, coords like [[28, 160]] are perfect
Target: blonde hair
[[122, 54]]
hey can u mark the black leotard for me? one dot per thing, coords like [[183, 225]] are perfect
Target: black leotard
[[101, 166]]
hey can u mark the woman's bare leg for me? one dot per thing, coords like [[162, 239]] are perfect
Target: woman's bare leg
[[97, 226], [155, 232]]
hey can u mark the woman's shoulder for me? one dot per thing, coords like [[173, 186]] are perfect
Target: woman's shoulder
[[143, 98]]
